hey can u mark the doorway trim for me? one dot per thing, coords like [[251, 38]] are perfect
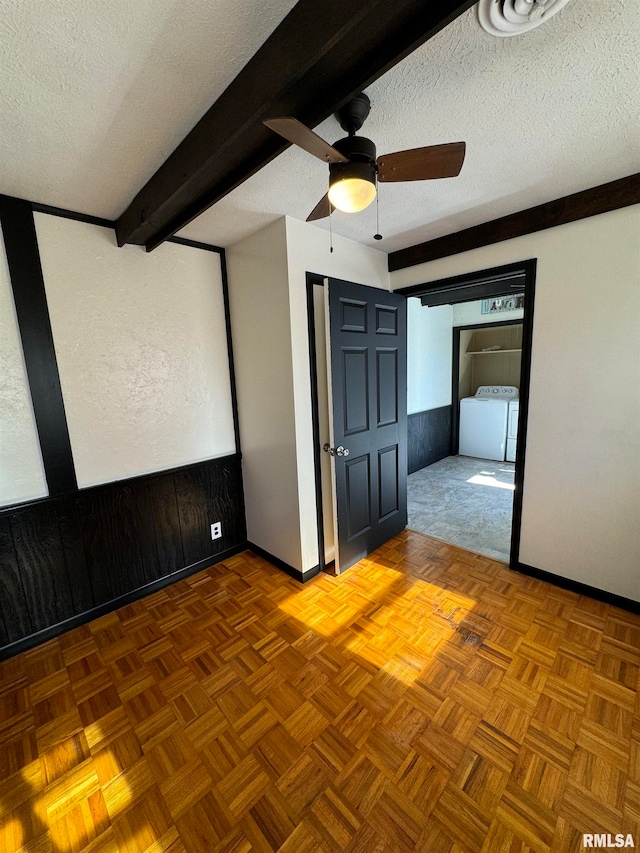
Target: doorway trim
[[497, 281], [313, 279]]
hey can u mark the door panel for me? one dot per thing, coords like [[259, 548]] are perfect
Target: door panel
[[355, 369], [353, 316], [358, 496], [367, 360], [388, 475], [386, 320], [387, 386]]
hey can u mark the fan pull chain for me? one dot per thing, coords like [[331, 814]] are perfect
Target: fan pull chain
[[377, 235], [330, 228]]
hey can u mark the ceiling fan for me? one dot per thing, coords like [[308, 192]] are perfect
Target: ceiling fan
[[354, 170]]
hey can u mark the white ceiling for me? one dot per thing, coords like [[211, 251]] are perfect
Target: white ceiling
[[94, 96]]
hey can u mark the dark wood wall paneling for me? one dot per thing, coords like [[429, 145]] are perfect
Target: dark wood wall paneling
[[79, 553], [429, 437], [75, 556]]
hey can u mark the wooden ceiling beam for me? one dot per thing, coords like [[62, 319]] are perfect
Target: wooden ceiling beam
[[570, 208], [321, 54]]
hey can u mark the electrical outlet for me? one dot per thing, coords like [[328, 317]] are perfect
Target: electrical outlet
[[216, 530]]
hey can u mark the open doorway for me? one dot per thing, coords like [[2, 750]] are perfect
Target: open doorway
[[468, 391], [360, 420], [501, 475], [464, 373]]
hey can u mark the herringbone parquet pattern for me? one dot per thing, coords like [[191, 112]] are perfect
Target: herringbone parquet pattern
[[426, 700]]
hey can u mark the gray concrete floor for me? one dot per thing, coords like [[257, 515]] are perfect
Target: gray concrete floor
[[465, 502]]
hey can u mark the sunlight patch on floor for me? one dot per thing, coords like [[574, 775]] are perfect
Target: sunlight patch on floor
[[485, 480], [394, 606]]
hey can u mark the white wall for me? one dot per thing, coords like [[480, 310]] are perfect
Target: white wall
[[429, 354], [470, 313], [21, 473], [141, 347], [268, 300], [261, 332], [582, 470]]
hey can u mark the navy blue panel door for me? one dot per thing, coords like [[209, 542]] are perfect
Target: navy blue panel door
[[368, 349]]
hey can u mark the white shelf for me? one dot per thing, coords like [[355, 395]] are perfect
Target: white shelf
[[493, 351]]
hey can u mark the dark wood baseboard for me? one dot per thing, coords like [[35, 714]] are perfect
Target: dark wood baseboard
[[53, 631], [64, 556], [303, 577], [580, 588], [79, 550]]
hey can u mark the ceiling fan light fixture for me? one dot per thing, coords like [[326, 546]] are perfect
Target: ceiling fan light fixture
[[352, 186], [354, 168]]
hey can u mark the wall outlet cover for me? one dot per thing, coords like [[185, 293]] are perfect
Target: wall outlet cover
[[216, 530]]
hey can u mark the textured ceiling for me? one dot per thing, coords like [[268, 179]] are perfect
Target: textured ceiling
[[544, 114], [94, 96]]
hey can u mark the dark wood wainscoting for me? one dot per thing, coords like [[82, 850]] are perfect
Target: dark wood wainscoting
[[67, 559], [429, 437]]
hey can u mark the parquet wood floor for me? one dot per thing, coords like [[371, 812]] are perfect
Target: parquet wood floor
[[426, 700]]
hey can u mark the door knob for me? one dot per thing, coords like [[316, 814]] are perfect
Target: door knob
[[336, 451]]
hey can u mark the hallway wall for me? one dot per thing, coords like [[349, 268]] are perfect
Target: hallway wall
[[582, 468], [267, 285]]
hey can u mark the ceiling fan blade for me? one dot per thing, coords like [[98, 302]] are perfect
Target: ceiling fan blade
[[422, 164], [298, 133], [322, 209]]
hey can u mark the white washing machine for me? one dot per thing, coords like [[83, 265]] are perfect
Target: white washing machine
[[483, 422], [512, 429]]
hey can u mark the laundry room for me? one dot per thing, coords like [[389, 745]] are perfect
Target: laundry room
[[463, 382]]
